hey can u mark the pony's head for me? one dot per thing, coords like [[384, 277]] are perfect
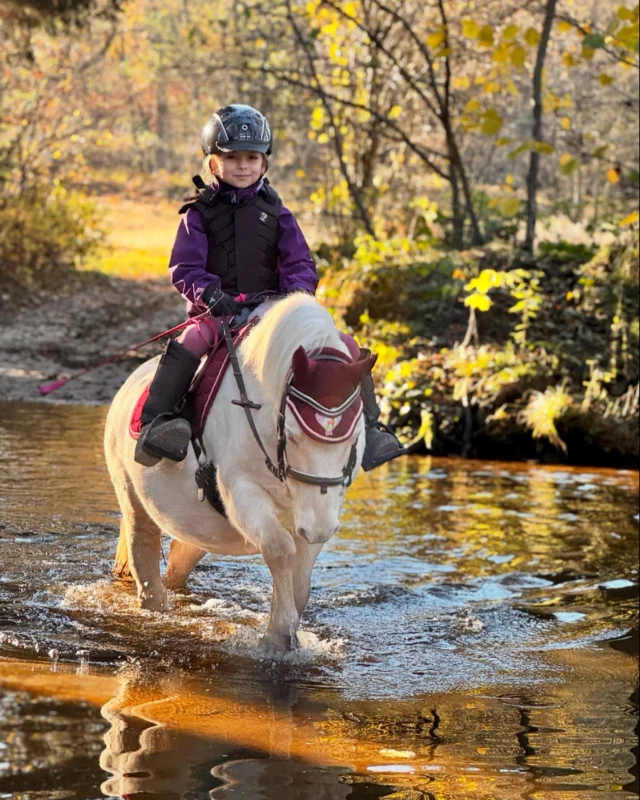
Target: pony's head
[[325, 436], [296, 353]]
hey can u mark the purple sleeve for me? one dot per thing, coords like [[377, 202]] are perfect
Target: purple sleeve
[[188, 264], [297, 268]]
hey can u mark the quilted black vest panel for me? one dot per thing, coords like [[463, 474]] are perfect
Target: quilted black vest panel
[[242, 239]]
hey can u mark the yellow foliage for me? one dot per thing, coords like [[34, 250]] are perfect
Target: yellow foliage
[[605, 80], [569, 60], [518, 56], [493, 122], [631, 219], [434, 40], [511, 31], [485, 36], [509, 206], [613, 176], [564, 26], [532, 37], [470, 29], [544, 410], [565, 123], [461, 83]]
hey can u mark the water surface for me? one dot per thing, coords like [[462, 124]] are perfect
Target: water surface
[[470, 634]]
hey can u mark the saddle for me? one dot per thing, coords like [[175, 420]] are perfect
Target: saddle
[[197, 404], [203, 392]]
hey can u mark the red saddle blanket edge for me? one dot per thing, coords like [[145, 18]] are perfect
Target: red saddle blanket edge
[[203, 390], [208, 381]]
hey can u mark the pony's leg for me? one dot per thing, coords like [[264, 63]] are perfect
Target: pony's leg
[[305, 559], [256, 518], [144, 549], [182, 559]]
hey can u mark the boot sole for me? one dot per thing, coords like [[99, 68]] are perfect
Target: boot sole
[[164, 440], [368, 464]]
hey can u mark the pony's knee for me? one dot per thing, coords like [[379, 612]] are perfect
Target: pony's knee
[[278, 549]]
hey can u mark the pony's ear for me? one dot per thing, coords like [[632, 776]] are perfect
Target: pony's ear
[[300, 363], [362, 367]]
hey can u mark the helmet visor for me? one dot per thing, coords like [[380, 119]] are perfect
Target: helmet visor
[[248, 145]]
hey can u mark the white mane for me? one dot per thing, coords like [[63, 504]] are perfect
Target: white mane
[[269, 348]]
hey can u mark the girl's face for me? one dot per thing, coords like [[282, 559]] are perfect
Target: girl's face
[[240, 169]]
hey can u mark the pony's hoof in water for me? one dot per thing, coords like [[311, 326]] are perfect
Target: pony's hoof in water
[[275, 646], [154, 601]]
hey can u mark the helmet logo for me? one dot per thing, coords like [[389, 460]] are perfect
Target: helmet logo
[[245, 127], [263, 217]]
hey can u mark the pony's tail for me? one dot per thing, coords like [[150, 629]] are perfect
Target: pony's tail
[[121, 569]]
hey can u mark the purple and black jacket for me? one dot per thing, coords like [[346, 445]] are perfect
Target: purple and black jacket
[[188, 265]]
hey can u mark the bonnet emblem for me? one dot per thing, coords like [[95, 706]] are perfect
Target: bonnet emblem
[[328, 423]]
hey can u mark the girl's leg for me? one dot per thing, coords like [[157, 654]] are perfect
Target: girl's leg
[[164, 433]]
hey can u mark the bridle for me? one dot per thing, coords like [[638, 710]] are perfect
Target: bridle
[[282, 470]]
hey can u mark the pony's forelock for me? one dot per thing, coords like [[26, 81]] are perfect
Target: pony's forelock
[[297, 320]]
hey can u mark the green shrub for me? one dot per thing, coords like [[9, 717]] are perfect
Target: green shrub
[[44, 236]]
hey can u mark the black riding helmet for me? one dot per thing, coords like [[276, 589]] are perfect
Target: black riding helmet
[[236, 127]]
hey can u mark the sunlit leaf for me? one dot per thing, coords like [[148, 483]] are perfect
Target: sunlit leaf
[[461, 82], [631, 219], [509, 206], [511, 31], [485, 36], [518, 56], [470, 29], [568, 164], [613, 175], [627, 13], [605, 80], [565, 124], [532, 37], [564, 26], [493, 123], [436, 39], [478, 301]]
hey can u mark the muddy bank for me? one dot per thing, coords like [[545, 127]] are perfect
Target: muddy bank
[[51, 335]]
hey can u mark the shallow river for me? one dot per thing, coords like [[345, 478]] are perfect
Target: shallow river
[[472, 633]]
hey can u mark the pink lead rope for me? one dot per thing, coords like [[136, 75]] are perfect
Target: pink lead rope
[[47, 388]]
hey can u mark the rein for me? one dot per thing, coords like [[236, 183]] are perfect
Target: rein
[[282, 470]]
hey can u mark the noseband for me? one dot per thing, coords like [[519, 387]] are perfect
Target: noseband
[[282, 470]]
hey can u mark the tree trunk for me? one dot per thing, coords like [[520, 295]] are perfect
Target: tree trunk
[[456, 210], [163, 124], [534, 164]]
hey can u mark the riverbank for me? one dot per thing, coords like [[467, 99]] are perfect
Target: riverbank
[[50, 335]]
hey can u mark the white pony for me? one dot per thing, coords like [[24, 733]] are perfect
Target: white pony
[[286, 519]]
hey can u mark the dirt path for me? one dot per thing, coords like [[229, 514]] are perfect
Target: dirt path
[[59, 334]]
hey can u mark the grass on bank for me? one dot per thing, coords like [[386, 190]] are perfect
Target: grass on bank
[[139, 237]]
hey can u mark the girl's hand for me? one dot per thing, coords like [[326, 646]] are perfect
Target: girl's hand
[[219, 303]]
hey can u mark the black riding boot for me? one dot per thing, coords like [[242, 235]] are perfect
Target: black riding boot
[[164, 434], [381, 443]]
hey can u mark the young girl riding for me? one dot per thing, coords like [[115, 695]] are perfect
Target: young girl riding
[[236, 238]]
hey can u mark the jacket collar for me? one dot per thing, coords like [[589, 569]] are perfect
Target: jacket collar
[[230, 194]]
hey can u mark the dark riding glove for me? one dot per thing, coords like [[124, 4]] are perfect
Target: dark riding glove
[[219, 303]]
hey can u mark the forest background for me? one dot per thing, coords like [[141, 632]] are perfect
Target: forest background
[[467, 173]]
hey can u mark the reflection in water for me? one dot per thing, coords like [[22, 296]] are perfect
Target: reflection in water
[[164, 745], [488, 591]]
